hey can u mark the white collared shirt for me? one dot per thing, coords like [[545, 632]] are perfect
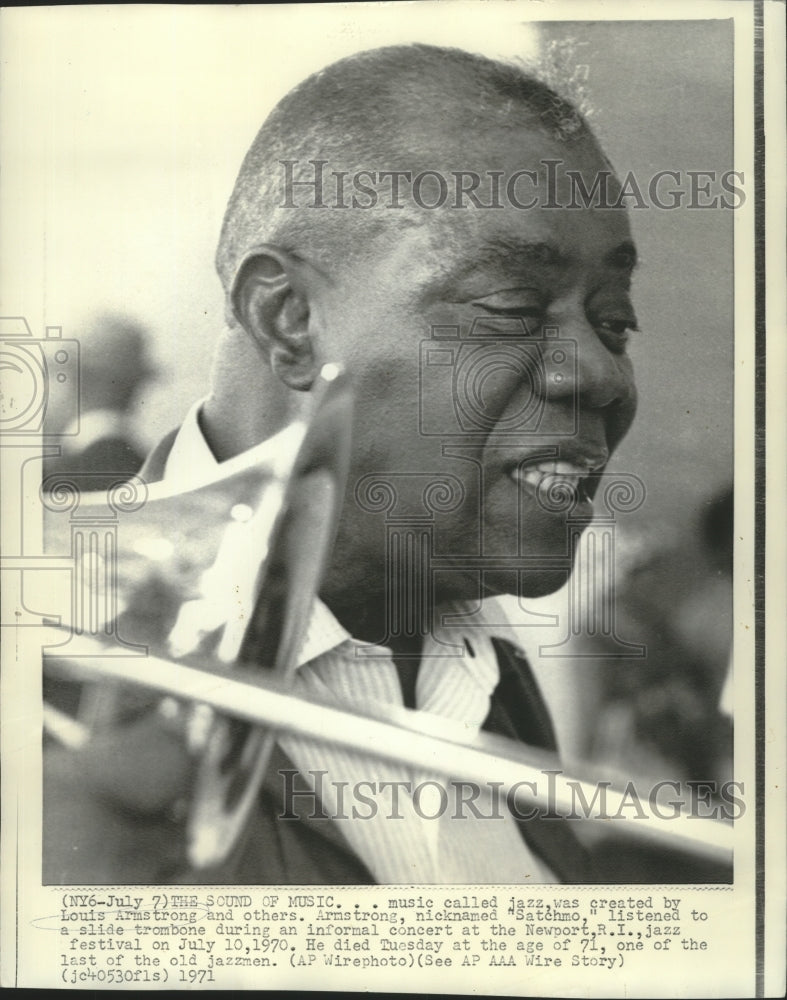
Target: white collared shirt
[[414, 840]]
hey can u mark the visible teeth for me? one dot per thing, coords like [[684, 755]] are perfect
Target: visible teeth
[[567, 472], [560, 468]]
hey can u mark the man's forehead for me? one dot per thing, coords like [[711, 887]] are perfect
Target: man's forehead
[[518, 191], [501, 250], [438, 231], [540, 240]]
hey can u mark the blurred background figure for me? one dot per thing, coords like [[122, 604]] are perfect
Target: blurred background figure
[[677, 599], [669, 715], [115, 365]]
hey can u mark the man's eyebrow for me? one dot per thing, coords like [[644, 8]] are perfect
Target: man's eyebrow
[[539, 253], [509, 254], [512, 254]]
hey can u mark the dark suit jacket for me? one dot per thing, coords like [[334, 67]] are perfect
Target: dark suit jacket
[[118, 795]]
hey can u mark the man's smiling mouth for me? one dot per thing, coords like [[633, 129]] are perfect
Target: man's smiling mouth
[[534, 475]]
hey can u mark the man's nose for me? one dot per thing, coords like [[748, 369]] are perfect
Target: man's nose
[[580, 365]]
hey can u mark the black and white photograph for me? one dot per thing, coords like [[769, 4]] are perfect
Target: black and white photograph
[[393, 544]]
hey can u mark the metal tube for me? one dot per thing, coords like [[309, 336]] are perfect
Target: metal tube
[[410, 737]]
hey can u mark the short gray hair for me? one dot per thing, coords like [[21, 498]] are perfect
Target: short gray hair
[[358, 111]]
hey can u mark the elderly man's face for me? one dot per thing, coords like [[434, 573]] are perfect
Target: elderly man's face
[[539, 301]]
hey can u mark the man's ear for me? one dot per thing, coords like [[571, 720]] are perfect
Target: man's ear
[[269, 299]]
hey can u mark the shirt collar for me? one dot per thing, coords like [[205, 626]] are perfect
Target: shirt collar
[[190, 455]]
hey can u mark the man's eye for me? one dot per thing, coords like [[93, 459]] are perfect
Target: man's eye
[[513, 302], [522, 312], [617, 326], [614, 331]]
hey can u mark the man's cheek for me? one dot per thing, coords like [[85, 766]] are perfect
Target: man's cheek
[[459, 532], [516, 525], [475, 399]]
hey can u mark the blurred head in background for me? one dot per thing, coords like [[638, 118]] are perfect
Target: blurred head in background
[[100, 441], [115, 363]]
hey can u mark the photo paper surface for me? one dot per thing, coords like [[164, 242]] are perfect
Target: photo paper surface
[[392, 439]]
